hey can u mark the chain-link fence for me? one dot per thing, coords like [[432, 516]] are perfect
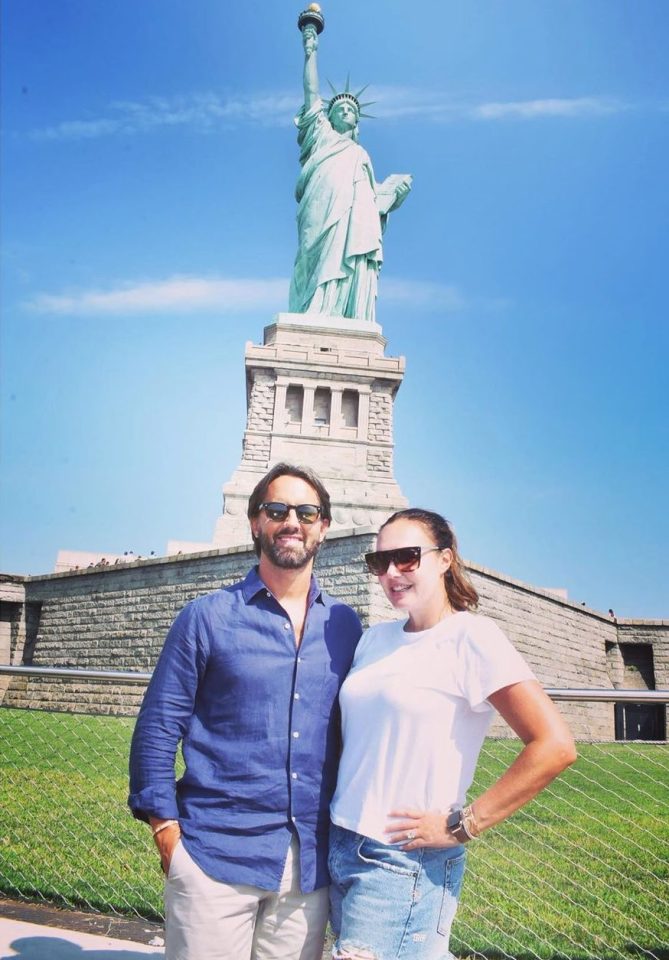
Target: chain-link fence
[[580, 873]]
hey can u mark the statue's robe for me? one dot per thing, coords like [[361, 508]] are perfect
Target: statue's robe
[[338, 221]]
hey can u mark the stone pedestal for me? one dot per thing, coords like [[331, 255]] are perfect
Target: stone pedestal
[[320, 392]]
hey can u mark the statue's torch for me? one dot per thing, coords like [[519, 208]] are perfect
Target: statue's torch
[[312, 16]]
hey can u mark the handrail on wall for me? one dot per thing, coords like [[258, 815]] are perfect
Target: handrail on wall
[[555, 693]]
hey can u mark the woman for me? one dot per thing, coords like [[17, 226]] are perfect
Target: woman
[[415, 709], [342, 209]]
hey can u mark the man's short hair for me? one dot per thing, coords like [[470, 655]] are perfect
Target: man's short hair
[[259, 494]]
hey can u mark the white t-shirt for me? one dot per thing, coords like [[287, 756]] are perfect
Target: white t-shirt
[[414, 716]]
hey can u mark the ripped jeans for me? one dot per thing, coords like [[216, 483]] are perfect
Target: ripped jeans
[[387, 903]]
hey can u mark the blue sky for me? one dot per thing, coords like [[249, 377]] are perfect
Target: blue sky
[[148, 232]]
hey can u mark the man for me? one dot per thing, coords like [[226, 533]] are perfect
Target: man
[[247, 681]]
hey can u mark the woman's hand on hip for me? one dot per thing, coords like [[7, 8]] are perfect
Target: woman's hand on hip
[[412, 829]]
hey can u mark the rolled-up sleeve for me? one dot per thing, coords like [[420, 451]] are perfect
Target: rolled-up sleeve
[[163, 719]]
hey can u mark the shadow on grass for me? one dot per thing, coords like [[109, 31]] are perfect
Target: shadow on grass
[[662, 953]]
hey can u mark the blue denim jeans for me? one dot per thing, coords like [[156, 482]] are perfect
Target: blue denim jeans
[[387, 903]]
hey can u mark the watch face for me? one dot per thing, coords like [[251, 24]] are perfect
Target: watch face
[[454, 820]]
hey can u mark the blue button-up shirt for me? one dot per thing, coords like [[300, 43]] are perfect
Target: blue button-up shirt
[[258, 721]]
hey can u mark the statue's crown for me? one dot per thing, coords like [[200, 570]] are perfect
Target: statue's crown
[[347, 94]]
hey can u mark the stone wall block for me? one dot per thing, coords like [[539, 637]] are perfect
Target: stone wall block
[[117, 617]]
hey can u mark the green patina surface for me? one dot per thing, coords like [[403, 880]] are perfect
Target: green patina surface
[[342, 209]]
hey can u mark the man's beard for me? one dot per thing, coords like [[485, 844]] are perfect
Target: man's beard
[[292, 557]]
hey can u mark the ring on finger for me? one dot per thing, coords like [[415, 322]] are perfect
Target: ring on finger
[[411, 835]]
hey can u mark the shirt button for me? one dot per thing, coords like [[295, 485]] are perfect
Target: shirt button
[[299, 659], [294, 776], [267, 593], [296, 734], [286, 626], [294, 819], [296, 696]]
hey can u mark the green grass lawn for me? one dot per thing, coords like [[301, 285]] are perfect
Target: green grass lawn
[[579, 873], [66, 834]]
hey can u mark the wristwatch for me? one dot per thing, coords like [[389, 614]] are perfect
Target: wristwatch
[[459, 823]]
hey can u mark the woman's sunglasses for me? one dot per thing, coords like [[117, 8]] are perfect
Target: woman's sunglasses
[[406, 559], [305, 512]]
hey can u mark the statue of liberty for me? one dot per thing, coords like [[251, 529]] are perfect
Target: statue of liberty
[[342, 210]]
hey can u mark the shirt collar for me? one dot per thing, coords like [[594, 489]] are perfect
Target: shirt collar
[[252, 585]]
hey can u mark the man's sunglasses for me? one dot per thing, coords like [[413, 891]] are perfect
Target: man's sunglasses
[[305, 512], [405, 559]]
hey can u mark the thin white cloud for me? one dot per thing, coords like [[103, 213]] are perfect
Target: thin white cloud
[[191, 294], [78, 130], [434, 297], [422, 295], [173, 295], [201, 111], [550, 107], [210, 111], [412, 103]]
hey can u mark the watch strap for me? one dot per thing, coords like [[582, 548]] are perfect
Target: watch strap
[[461, 824]]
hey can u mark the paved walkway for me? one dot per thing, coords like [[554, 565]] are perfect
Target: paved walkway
[[31, 941], [39, 932], [31, 931]]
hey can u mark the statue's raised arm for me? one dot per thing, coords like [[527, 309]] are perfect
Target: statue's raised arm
[[342, 210], [310, 43]]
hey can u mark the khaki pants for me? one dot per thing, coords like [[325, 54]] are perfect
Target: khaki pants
[[209, 920]]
